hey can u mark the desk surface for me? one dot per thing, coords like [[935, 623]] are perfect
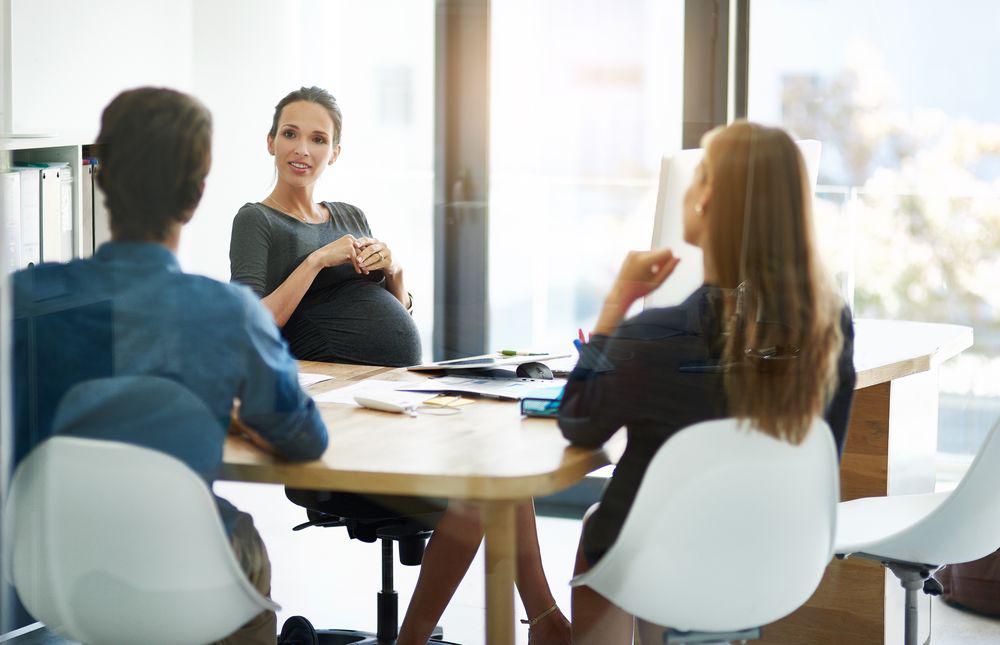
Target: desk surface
[[885, 350], [486, 451]]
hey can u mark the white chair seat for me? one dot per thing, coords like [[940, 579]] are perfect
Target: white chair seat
[[915, 534], [862, 524], [699, 549], [109, 542]]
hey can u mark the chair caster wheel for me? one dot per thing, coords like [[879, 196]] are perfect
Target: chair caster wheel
[[297, 630]]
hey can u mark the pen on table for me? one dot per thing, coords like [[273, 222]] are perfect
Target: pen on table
[[514, 352]]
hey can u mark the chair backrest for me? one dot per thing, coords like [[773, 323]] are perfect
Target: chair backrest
[[731, 529], [966, 525], [110, 542], [676, 174]]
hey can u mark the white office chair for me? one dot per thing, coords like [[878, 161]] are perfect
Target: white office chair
[[676, 174], [731, 530], [108, 542], [914, 535]]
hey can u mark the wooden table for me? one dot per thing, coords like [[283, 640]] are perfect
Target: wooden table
[[486, 454], [489, 455], [890, 451]]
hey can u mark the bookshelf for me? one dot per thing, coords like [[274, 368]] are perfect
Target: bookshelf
[[71, 150]]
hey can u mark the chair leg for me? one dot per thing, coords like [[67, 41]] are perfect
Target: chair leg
[[911, 577], [388, 600]]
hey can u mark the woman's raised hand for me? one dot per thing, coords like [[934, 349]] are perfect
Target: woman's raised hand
[[340, 251], [642, 272], [374, 255]]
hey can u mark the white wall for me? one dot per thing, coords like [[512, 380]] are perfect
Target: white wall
[[69, 58]]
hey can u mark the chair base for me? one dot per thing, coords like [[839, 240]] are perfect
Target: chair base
[[914, 577], [297, 630], [355, 637], [677, 637]]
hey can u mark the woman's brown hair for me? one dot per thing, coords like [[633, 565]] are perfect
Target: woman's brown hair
[[783, 329], [156, 151], [316, 95]]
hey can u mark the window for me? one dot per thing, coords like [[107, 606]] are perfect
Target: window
[[585, 100], [908, 211]]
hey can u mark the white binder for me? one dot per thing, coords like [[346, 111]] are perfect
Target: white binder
[[51, 215], [66, 213], [87, 212], [10, 219], [31, 226]]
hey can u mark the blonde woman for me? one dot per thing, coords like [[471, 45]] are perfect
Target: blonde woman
[[765, 338]]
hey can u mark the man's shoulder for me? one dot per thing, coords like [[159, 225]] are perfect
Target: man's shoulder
[[51, 280], [212, 292]]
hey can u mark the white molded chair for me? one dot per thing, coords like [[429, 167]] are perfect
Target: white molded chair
[[731, 530], [108, 542], [676, 174], [914, 535]]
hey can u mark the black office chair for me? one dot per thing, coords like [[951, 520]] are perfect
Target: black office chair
[[389, 518]]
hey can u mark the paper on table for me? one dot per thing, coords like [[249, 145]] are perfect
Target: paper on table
[[504, 388], [373, 388], [308, 378]]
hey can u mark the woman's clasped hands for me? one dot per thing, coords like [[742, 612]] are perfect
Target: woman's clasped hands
[[365, 254]]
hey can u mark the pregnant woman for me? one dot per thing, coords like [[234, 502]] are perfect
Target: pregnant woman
[[335, 291]]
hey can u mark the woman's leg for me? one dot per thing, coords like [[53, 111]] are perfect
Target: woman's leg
[[448, 556], [533, 586], [449, 553], [595, 620]]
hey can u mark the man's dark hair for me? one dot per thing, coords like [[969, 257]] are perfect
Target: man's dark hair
[[156, 149], [316, 95]]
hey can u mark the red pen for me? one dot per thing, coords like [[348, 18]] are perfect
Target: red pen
[[583, 339]]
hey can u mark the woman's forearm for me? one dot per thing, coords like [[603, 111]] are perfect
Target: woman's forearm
[[613, 312], [283, 300]]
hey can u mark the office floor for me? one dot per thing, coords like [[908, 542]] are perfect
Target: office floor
[[332, 580]]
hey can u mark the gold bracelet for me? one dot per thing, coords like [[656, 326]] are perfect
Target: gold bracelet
[[531, 622]]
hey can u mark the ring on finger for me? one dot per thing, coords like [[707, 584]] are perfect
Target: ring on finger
[[381, 257]]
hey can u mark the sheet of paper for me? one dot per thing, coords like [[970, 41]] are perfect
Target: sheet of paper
[[513, 389], [373, 388], [308, 378]]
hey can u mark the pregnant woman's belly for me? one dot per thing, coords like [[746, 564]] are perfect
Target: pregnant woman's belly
[[356, 322]]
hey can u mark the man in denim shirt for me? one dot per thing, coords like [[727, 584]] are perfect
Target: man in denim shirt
[[131, 311]]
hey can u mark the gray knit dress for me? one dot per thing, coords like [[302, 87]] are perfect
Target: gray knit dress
[[344, 317]]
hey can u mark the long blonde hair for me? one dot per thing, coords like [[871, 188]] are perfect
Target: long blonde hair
[[782, 329]]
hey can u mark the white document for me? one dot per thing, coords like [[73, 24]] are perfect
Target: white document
[[513, 389], [373, 388], [308, 378], [485, 361], [31, 225], [10, 219]]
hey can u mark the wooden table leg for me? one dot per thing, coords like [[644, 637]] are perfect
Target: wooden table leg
[[890, 450], [501, 561]]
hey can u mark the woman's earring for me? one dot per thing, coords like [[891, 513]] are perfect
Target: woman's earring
[[698, 208]]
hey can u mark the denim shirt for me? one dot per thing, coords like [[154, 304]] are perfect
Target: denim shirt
[[131, 311]]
